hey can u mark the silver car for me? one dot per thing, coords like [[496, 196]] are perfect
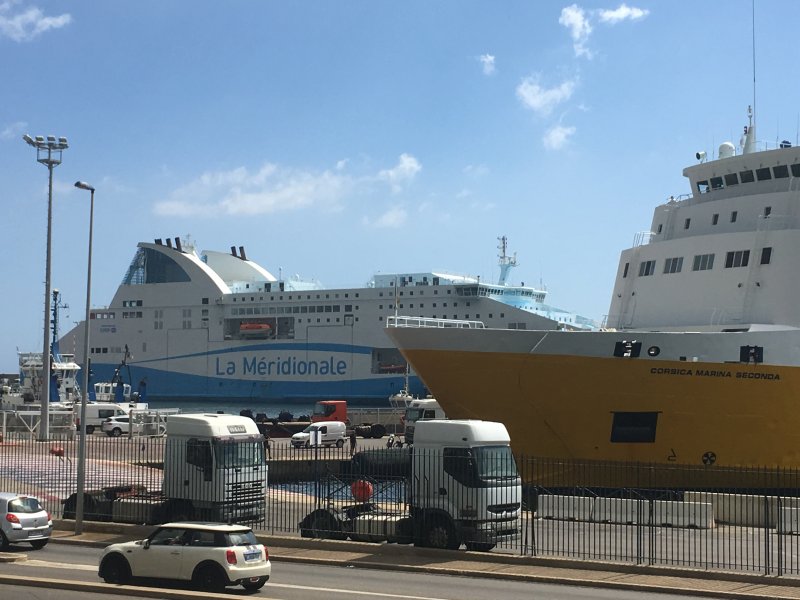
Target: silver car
[[22, 519]]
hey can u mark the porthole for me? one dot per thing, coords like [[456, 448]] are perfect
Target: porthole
[[653, 351]]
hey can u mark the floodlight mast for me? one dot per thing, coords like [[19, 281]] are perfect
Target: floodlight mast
[[48, 152]]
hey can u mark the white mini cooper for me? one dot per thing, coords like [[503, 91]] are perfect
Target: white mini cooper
[[210, 555]]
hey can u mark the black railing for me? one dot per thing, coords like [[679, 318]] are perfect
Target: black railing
[[706, 517]]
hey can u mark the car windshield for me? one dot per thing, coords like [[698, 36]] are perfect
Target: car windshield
[[242, 538], [24, 505], [495, 462], [230, 455], [310, 428]]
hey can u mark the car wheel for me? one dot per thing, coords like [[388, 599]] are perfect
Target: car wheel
[[3, 541], [209, 577], [89, 429], [255, 585], [39, 544], [339, 443], [115, 569], [116, 432]]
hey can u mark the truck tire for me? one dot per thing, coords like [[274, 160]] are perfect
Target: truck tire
[[89, 429], [322, 525], [479, 546], [378, 431], [438, 532]]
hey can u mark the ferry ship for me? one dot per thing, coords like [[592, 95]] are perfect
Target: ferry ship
[[702, 366], [216, 325]]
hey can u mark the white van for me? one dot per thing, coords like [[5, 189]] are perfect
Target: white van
[[97, 412], [324, 433]]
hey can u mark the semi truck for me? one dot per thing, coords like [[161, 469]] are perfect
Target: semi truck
[[459, 485], [215, 469], [375, 422]]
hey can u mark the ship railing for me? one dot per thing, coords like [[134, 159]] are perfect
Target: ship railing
[[427, 322], [642, 238]]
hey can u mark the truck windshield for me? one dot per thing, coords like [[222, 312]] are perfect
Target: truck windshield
[[230, 455], [495, 462], [414, 414], [323, 410]]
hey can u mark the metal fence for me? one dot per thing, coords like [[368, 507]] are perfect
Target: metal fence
[[710, 518]]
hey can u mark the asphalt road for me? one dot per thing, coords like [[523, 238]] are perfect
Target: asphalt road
[[289, 582]]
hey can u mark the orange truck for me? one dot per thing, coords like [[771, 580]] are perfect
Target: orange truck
[[367, 422]]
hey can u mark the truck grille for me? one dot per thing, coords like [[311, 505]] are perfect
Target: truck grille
[[502, 508]]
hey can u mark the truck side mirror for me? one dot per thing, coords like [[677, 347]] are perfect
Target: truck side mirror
[[146, 544]]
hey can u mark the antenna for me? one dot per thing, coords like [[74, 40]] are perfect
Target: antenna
[[753, 4]]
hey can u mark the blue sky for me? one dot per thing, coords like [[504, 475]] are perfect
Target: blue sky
[[339, 139]]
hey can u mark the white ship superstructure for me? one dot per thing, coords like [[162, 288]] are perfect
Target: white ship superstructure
[[218, 325]]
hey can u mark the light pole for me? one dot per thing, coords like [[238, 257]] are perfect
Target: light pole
[[86, 367], [48, 152]]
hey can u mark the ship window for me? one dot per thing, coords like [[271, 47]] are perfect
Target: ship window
[[767, 211], [647, 268], [634, 427], [686, 223], [716, 183], [731, 179], [703, 262], [780, 171], [660, 227], [702, 186], [738, 258], [746, 176], [151, 266], [766, 255], [763, 174], [734, 214], [796, 170], [715, 218], [673, 265], [624, 272]]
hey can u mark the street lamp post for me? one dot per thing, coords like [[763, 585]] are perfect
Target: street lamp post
[[48, 152], [86, 366]]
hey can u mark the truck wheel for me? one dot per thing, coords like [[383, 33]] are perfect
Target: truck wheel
[[115, 569], [339, 443], [378, 431], [209, 577], [440, 533], [322, 525], [89, 429]]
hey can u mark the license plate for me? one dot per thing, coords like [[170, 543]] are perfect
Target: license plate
[[248, 556]]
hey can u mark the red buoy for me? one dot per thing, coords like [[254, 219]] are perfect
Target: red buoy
[[361, 490]]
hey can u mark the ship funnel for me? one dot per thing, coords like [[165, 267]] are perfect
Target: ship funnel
[[233, 250], [169, 243], [178, 244], [241, 253], [159, 242]]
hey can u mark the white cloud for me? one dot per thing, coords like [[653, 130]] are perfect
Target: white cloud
[[274, 189], [13, 130], [557, 137], [574, 18], [487, 60], [406, 169], [542, 100], [393, 218], [621, 13], [476, 170], [26, 25]]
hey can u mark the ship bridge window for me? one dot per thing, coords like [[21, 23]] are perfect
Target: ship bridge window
[[746, 176], [634, 427], [715, 218], [796, 170], [150, 266], [716, 183], [780, 172], [763, 174], [702, 187], [673, 265], [766, 255], [731, 179], [738, 258], [703, 262], [647, 268]]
